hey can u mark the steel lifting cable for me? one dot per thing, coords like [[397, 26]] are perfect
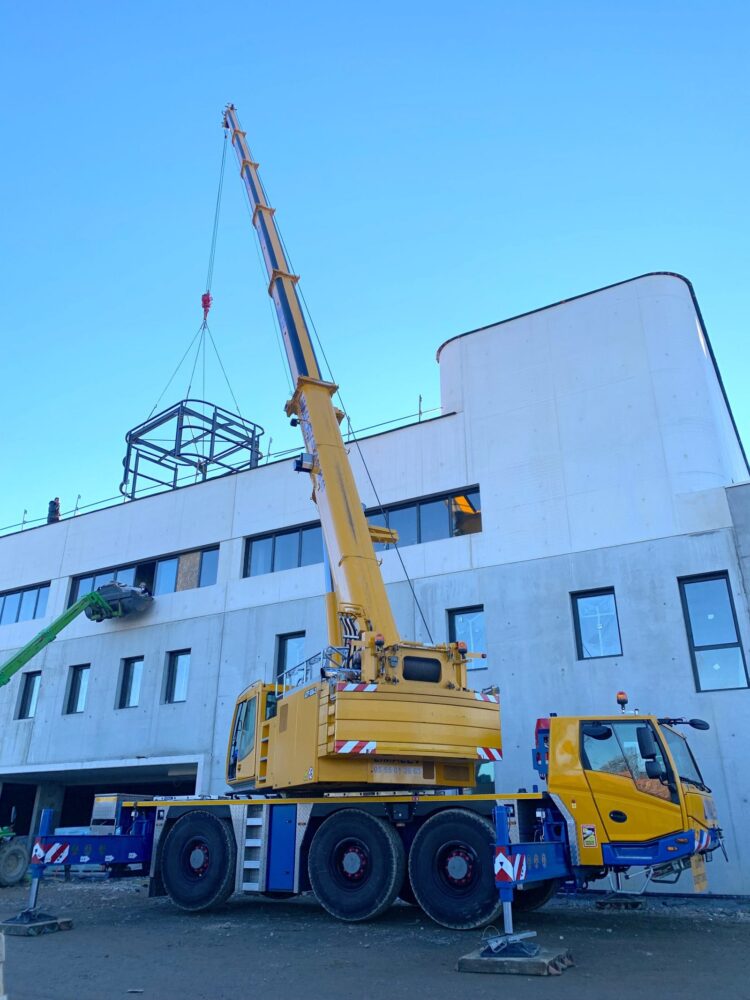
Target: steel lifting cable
[[206, 300]]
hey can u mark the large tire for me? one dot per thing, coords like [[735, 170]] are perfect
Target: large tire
[[14, 860], [198, 861], [451, 869], [535, 895], [356, 865]]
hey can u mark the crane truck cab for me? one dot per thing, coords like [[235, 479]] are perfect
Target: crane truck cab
[[630, 792]]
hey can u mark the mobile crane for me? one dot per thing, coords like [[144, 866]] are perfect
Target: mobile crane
[[350, 776]]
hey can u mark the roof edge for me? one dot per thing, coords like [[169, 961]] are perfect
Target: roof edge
[[616, 284]]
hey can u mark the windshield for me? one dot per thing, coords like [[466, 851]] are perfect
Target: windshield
[[683, 757]]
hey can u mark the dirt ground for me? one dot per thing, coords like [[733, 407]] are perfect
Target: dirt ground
[[124, 945]]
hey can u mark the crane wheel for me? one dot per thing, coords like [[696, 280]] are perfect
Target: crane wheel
[[356, 865], [535, 895], [14, 860], [198, 861], [451, 869]]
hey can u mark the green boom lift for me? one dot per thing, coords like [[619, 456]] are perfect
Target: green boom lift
[[111, 600]]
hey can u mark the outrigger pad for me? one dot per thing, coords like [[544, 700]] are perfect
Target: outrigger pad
[[544, 963], [32, 923]]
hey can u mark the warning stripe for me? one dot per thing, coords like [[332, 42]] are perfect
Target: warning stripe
[[489, 753], [486, 697], [356, 746], [702, 839], [49, 854], [356, 687], [509, 867]]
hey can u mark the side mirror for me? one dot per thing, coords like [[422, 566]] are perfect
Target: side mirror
[[596, 731], [653, 770], [699, 724], [647, 743]]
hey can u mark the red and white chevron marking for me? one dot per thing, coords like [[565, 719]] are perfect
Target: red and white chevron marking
[[486, 697], [49, 854], [356, 687], [509, 867], [489, 753], [702, 839], [355, 746]]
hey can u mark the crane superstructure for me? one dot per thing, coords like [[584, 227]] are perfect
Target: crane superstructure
[[378, 695]]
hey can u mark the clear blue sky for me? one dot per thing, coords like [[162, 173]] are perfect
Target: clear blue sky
[[435, 166]]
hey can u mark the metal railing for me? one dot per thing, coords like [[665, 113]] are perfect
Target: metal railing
[[330, 664]]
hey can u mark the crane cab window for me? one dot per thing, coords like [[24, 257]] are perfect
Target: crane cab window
[[615, 750], [418, 668], [243, 738]]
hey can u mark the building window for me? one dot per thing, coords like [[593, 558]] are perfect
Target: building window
[[467, 625], [290, 652], [430, 519], [596, 624], [178, 669], [23, 605], [271, 553], [184, 571], [209, 567], [715, 649], [29, 695], [130, 682], [78, 684], [425, 520]]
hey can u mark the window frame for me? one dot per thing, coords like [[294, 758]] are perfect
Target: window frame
[[282, 640], [21, 712], [73, 688], [171, 676], [126, 673], [704, 578], [20, 592], [595, 592], [111, 572]]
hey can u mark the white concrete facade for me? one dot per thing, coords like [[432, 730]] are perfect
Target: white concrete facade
[[606, 455]]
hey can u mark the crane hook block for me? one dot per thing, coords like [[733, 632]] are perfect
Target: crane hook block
[[206, 300]]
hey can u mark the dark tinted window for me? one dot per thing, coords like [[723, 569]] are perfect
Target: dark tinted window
[[404, 521], [311, 549], [165, 580], [715, 648], [286, 551], [261, 556], [29, 694], [209, 567], [434, 522]]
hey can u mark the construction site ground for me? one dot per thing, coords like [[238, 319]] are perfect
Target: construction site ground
[[124, 944]]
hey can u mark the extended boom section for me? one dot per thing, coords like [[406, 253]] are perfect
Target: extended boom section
[[371, 697]]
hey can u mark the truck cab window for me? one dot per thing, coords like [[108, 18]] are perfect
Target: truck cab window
[[619, 754]]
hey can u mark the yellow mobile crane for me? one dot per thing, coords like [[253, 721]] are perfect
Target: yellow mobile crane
[[370, 696], [349, 776]]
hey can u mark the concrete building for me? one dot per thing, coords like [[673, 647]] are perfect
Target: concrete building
[[581, 508]]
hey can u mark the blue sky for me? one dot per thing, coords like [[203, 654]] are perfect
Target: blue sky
[[435, 166]]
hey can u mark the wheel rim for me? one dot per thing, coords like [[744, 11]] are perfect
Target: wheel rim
[[350, 863], [457, 867], [196, 858]]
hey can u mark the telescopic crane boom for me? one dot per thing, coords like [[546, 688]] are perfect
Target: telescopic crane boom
[[354, 566]]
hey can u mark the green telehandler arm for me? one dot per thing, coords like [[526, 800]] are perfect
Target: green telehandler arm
[[112, 600]]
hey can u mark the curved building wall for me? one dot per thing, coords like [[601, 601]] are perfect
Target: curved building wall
[[602, 419]]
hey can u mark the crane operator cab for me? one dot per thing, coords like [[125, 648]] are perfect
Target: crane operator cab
[[366, 714]]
